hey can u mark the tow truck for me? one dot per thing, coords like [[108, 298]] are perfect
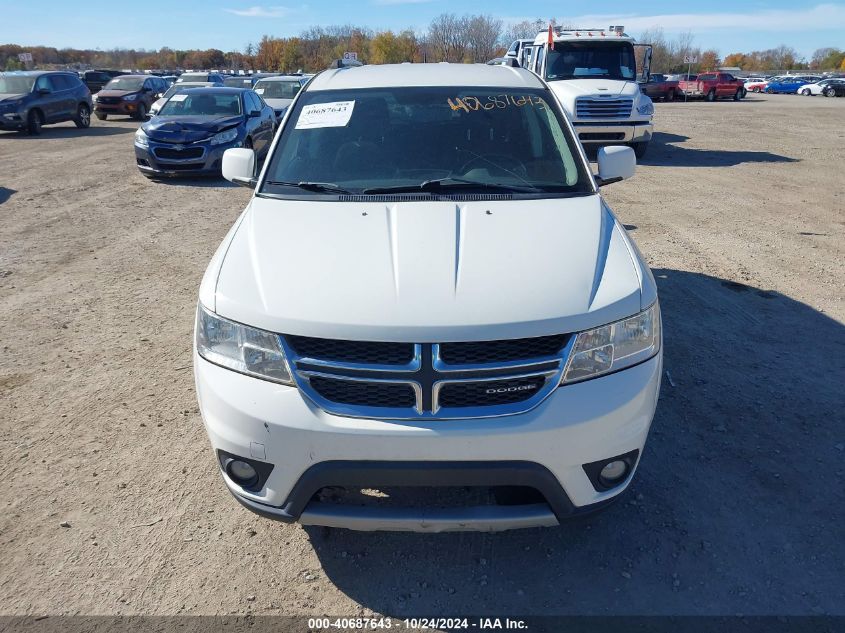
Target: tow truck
[[593, 72]]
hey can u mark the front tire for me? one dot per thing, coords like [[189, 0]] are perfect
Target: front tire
[[141, 112], [738, 95], [669, 96], [100, 115], [639, 148], [806, 92], [757, 90], [83, 116], [34, 123], [829, 92], [711, 96]]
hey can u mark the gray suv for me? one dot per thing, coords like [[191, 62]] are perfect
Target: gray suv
[[31, 99]]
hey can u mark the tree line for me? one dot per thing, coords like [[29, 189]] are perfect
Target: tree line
[[449, 37]]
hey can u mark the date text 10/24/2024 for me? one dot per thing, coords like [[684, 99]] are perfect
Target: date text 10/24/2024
[[417, 624]]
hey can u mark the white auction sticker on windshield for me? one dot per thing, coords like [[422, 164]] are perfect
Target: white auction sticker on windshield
[[259, 91], [335, 114], [178, 97]]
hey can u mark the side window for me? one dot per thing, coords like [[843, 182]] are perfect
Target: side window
[[538, 61], [254, 102], [44, 83]]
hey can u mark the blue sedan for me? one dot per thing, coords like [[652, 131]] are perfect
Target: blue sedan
[[195, 126], [786, 85]]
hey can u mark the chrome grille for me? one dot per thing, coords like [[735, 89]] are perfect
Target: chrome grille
[[435, 381], [603, 108]]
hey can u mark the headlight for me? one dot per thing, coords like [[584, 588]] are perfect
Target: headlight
[[647, 108], [130, 97], [614, 346], [225, 137], [141, 139], [241, 348]]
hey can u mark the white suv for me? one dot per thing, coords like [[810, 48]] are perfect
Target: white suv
[[427, 292]]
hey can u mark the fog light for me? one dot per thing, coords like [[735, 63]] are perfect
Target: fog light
[[613, 472], [242, 473]]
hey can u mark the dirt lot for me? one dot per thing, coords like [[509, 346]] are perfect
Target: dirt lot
[[739, 504]]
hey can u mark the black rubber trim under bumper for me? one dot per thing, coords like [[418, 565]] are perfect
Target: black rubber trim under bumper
[[422, 473]]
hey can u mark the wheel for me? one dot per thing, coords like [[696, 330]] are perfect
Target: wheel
[[769, 91], [83, 116], [711, 96], [738, 95], [639, 148], [141, 112], [757, 90], [669, 96], [806, 92], [829, 92], [34, 122], [744, 93], [101, 115]]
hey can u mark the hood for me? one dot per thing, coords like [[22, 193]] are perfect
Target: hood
[[581, 87], [187, 129], [11, 97], [278, 104], [116, 93], [427, 271]]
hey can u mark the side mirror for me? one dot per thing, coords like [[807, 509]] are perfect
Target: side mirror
[[43, 91], [616, 163], [239, 166], [254, 113]]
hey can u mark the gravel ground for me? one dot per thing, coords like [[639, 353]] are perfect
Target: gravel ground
[[112, 503]]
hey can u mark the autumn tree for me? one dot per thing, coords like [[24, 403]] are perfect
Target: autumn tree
[[447, 38], [483, 35], [709, 60]]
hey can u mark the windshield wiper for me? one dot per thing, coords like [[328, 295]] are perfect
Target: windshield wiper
[[452, 183], [310, 186]]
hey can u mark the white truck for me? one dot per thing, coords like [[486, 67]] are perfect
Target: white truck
[[594, 74]]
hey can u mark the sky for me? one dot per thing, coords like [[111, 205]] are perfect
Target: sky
[[726, 25]]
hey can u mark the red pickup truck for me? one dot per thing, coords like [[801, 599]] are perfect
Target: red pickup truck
[[711, 86]]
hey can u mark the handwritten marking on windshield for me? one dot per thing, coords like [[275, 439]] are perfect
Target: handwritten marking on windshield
[[493, 102]]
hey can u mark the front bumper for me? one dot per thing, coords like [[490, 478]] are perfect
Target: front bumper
[[608, 132], [577, 425], [209, 162], [12, 121], [125, 108]]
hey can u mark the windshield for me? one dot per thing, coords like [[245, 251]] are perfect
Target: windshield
[[277, 89], [180, 88], [591, 60], [237, 82], [200, 103], [125, 83], [10, 85], [406, 138], [193, 77]]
